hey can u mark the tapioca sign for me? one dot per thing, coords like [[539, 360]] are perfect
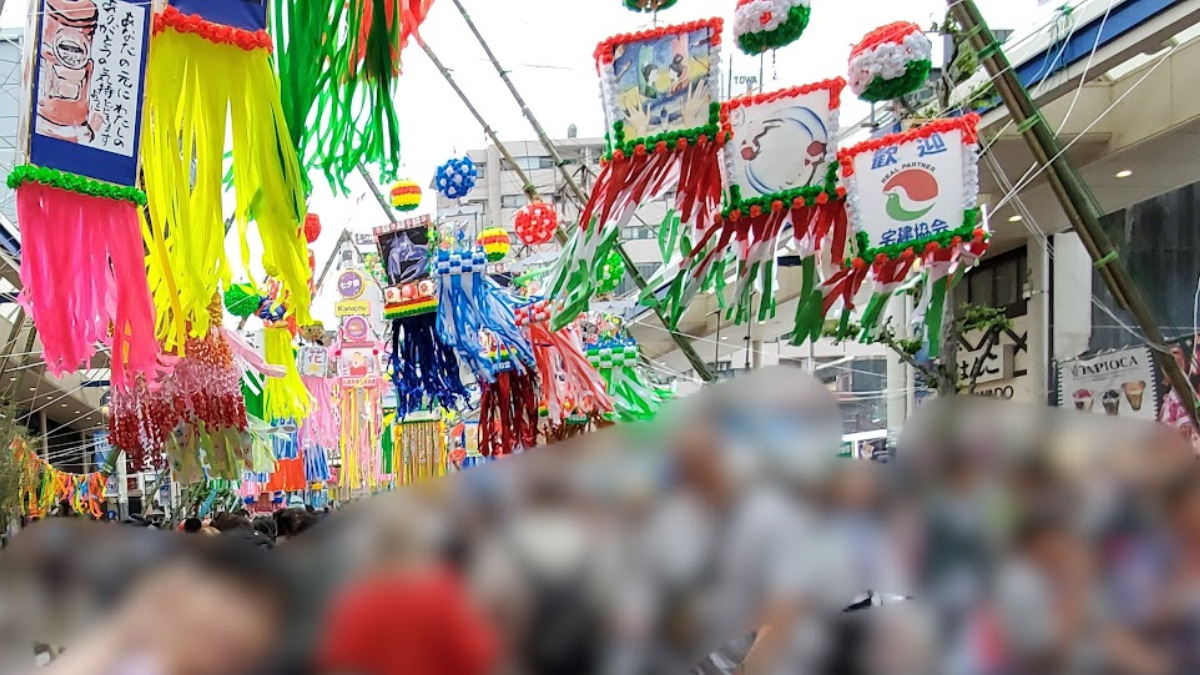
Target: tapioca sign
[[350, 284]]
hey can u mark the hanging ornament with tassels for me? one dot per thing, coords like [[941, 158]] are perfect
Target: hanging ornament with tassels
[[83, 272], [890, 63], [339, 61], [406, 195], [781, 166], [221, 50], [424, 371], [478, 320], [761, 25], [571, 387], [661, 91], [535, 223], [633, 398], [911, 197]]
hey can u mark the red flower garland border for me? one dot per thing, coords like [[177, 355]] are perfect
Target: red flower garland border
[[213, 32], [967, 125], [834, 85]]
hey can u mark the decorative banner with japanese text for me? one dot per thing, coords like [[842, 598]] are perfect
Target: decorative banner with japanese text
[[908, 189], [1119, 384], [88, 83]]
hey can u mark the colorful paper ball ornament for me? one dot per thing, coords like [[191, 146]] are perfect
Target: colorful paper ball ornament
[[611, 273], [456, 178], [495, 243], [891, 62], [406, 195], [241, 300], [648, 5], [312, 227], [535, 223], [760, 25]]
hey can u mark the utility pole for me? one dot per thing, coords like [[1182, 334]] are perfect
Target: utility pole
[[697, 363], [1073, 193]]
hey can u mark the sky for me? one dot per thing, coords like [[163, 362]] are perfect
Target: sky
[[547, 46]]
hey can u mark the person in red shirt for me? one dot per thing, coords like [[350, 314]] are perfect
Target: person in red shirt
[[409, 615]]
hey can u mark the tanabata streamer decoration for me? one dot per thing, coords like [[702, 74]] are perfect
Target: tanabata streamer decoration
[[535, 223], [242, 301], [82, 259], [42, 487], [760, 25], [210, 79], [360, 400], [911, 196], [284, 398], [478, 321], [633, 399], [425, 371], [319, 430], [781, 166], [660, 90], [610, 273], [456, 178], [570, 385], [339, 62], [199, 406], [495, 243], [406, 195], [648, 5], [423, 450], [891, 62]]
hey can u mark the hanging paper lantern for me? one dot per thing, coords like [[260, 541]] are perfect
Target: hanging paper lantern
[[406, 195], [760, 25], [611, 273], [535, 223], [648, 5], [312, 227], [456, 178], [495, 242], [891, 62]]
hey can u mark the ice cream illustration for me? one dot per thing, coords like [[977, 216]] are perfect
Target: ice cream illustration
[[1134, 392], [1083, 399], [1112, 401]]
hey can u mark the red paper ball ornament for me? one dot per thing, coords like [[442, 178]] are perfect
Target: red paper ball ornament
[[535, 223], [312, 227]]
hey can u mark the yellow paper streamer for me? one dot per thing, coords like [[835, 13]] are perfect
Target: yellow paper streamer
[[284, 398], [197, 93]]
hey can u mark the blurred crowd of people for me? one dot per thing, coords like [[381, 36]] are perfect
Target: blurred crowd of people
[[726, 538]]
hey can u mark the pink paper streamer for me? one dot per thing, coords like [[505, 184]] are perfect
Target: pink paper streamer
[[82, 271]]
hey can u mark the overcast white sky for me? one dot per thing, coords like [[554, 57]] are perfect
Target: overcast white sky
[[547, 46]]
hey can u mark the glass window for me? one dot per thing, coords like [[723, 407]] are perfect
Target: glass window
[[1008, 286], [482, 169], [512, 201], [981, 292], [529, 163]]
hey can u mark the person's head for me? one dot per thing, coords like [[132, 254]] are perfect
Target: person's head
[[227, 605], [192, 525], [266, 527], [1181, 500], [1045, 538], [227, 522], [855, 487]]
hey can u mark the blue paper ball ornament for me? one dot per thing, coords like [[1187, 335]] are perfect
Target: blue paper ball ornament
[[456, 178]]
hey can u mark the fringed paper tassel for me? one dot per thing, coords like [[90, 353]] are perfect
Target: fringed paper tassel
[[842, 286], [570, 384], [425, 371], [469, 303], [886, 274], [284, 398], [634, 400], [320, 428], [508, 413], [83, 272], [207, 82], [422, 450], [939, 264], [362, 424], [572, 278]]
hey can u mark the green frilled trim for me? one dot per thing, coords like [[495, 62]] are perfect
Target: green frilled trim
[[788, 32], [914, 77], [28, 173], [618, 142], [965, 232], [809, 193]]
